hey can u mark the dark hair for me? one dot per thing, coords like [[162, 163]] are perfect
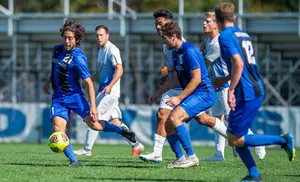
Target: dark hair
[[163, 13], [225, 12], [103, 27], [74, 27], [171, 28]]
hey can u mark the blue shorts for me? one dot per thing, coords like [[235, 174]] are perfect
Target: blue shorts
[[240, 120], [198, 102], [62, 104]]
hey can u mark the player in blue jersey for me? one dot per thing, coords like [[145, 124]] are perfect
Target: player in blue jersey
[[245, 93], [69, 65], [197, 96], [219, 70]]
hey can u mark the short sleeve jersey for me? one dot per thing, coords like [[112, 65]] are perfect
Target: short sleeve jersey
[[187, 59], [68, 67], [108, 57], [234, 41]]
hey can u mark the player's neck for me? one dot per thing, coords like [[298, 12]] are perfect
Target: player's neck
[[213, 34], [228, 24], [178, 44]]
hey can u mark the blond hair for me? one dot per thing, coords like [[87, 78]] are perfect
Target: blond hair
[[211, 15], [225, 12]]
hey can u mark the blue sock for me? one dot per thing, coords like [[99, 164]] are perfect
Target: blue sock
[[185, 140], [246, 156], [175, 145], [261, 140], [111, 128], [70, 154]]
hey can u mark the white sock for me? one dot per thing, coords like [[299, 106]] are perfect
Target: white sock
[[220, 128], [91, 136], [158, 144], [220, 145], [122, 125]]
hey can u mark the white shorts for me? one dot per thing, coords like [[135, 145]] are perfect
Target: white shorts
[[166, 96], [221, 106], [108, 107]]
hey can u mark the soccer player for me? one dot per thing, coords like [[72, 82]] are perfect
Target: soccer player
[[69, 64], [219, 70], [197, 96], [161, 17], [109, 74], [245, 93]]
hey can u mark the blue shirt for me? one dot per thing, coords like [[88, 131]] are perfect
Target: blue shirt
[[234, 41], [187, 59], [67, 69]]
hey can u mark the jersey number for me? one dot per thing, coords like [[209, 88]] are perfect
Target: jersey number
[[247, 46]]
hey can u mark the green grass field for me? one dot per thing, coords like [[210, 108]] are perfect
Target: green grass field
[[34, 162]]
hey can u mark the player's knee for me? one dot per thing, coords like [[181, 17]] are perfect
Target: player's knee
[[201, 119], [162, 117]]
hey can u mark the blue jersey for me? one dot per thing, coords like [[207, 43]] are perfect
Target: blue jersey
[[67, 69], [233, 41], [186, 59]]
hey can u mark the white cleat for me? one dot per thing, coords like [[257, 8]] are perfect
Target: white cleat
[[151, 157], [177, 163], [82, 152], [214, 159], [260, 152], [190, 161]]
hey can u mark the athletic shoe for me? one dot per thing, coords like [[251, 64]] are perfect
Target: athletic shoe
[[177, 163], [234, 152], [83, 152], [190, 161], [214, 159], [289, 146], [129, 135], [75, 164], [251, 179], [137, 150], [260, 152], [151, 157]]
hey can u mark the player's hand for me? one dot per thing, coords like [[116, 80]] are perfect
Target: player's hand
[[46, 88], [164, 71], [152, 99], [173, 101], [231, 99], [162, 80], [94, 114], [106, 90]]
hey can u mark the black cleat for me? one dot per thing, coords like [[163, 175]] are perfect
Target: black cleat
[[251, 179], [129, 135], [75, 164]]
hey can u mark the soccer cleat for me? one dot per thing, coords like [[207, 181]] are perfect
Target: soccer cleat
[[260, 152], [251, 179], [151, 157], [129, 135], [289, 146], [83, 152], [190, 161], [177, 163], [75, 164], [234, 152], [137, 150], [214, 159]]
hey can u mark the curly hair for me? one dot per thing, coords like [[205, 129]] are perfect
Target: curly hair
[[163, 13], [74, 27], [171, 28]]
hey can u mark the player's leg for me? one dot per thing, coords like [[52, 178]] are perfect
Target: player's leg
[[160, 135], [175, 126], [91, 136]]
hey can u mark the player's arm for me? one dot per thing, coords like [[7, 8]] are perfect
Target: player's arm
[[192, 85], [237, 69], [46, 86], [117, 75], [92, 98]]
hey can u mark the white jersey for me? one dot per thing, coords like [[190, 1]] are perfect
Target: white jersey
[[213, 54], [108, 58]]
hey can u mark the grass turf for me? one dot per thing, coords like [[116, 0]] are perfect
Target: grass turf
[[35, 162]]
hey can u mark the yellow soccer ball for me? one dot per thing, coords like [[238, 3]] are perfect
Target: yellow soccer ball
[[58, 142]]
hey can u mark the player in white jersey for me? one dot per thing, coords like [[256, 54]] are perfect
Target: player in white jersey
[[107, 100], [219, 69], [162, 17]]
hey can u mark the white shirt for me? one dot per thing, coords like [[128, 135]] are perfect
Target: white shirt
[[108, 58]]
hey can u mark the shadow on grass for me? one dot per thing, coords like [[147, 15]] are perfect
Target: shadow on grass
[[292, 175], [133, 179], [35, 164]]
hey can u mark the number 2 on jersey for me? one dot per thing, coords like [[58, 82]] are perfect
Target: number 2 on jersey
[[248, 48]]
